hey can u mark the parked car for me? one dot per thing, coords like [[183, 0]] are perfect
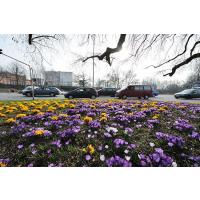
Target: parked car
[[27, 90], [59, 92], [140, 91], [82, 93], [40, 91], [188, 94], [196, 85], [107, 92], [155, 92]]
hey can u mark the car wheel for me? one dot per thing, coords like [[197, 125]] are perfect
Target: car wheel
[[52, 95], [124, 97], [28, 94], [70, 97], [93, 97], [146, 97]]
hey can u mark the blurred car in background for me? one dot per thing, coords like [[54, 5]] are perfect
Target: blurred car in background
[[188, 94], [155, 92], [107, 92], [82, 93], [40, 91], [59, 92]]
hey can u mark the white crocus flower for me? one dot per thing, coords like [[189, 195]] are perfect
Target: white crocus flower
[[102, 157], [152, 144], [174, 164], [127, 158]]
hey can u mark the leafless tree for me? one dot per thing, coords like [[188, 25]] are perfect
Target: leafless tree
[[18, 72], [82, 79], [197, 71], [114, 79], [3, 73], [194, 76], [130, 78], [38, 48], [101, 83]]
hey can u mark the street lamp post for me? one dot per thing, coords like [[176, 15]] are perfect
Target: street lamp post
[[93, 40], [30, 70]]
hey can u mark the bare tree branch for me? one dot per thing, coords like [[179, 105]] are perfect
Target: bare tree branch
[[197, 55], [145, 38], [180, 54], [31, 38], [196, 43], [153, 40], [109, 51]]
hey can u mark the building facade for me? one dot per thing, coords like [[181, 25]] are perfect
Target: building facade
[[7, 78], [58, 78]]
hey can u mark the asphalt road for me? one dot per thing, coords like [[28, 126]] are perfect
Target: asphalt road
[[16, 96]]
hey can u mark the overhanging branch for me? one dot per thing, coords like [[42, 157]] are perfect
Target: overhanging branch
[[196, 43], [109, 51], [31, 38], [178, 55], [186, 61]]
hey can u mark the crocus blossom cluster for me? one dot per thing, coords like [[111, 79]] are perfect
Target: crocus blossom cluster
[[183, 125], [157, 159], [171, 139], [117, 161]]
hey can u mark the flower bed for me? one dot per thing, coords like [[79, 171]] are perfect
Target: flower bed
[[99, 133]]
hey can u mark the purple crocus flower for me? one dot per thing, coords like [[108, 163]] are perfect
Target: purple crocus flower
[[128, 130], [32, 145], [117, 161], [34, 151], [51, 165], [57, 143], [195, 135], [108, 135], [95, 124], [119, 142], [20, 146], [183, 125], [70, 131], [171, 139], [132, 146], [30, 165], [157, 159], [87, 157], [49, 151]]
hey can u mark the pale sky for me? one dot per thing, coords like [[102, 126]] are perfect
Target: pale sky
[[64, 58]]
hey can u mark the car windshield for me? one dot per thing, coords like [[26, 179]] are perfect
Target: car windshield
[[30, 87], [187, 91], [123, 88]]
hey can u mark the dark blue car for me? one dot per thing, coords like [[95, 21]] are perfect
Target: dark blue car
[[40, 91], [155, 92]]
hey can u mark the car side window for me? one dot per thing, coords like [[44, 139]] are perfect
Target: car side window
[[147, 87], [194, 92], [130, 87], [141, 87], [137, 87]]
